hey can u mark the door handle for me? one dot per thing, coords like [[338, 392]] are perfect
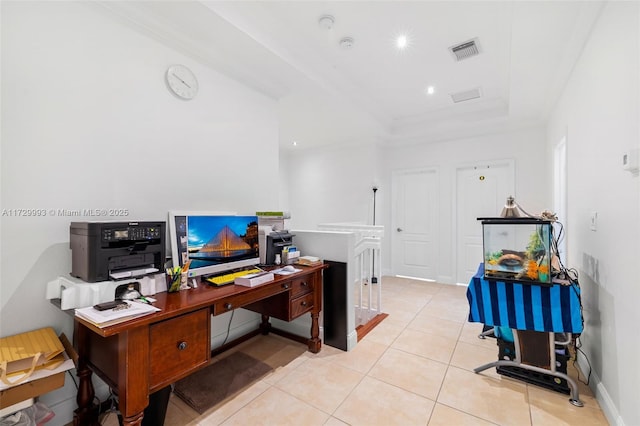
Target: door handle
[[399, 229]]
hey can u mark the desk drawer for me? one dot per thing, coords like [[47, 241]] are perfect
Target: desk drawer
[[178, 347], [300, 286], [300, 305], [258, 294]]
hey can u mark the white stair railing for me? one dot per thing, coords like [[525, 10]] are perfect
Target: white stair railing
[[368, 267]]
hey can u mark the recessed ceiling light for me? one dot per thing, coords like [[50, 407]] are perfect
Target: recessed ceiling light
[[294, 143], [402, 42], [402, 39], [430, 90]]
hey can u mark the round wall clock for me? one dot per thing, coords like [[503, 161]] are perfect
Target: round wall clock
[[181, 81]]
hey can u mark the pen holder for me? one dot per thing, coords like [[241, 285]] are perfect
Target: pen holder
[[174, 282]]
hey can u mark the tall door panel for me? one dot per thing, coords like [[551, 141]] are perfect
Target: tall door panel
[[481, 191], [414, 223]]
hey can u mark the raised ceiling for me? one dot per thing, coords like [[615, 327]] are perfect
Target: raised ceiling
[[373, 92]]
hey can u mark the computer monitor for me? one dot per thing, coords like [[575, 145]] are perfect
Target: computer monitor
[[215, 242]]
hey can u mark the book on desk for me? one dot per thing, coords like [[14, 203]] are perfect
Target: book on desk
[[309, 261], [252, 280]]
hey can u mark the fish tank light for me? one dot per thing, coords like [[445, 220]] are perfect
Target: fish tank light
[[517, 249]]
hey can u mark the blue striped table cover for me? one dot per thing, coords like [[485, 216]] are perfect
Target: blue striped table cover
[[519, 306]]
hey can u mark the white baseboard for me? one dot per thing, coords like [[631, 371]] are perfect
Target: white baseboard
[[352, 340], [300, 326], [235, 332], [64, 409], [63, 412], [602, 396], [445, 279]]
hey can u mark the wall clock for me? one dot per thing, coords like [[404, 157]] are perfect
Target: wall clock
[[181, 81]]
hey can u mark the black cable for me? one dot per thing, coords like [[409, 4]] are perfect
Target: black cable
[[74, 379], [555, 243], [228, 328], [575, 286], [578, 346], [282, 234], [96, 400], [571, 275]]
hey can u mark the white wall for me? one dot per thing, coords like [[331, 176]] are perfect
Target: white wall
[[335, 185], [332, 184], [599, 113], [87, 122], [525, 147]]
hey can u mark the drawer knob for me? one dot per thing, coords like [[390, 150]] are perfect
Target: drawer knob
[[303, 303], [304, 284], [182, 346], [286, 285], [228, 306]]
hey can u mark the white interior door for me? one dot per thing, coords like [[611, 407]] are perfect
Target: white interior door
[[560, 195], [414, 224], [481, 191]]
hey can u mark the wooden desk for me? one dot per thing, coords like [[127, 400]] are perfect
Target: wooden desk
[[141, 356]]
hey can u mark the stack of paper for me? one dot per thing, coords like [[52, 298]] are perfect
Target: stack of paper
[[115, 316], [287, 270]]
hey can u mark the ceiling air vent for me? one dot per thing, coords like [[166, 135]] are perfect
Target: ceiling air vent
[[465, 50], [465, 95]]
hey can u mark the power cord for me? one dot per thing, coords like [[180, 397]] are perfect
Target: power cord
[[99, 404], [228, 328], [570, 275], [73, 379], [578, 345]]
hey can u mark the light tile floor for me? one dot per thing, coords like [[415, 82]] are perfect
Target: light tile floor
[[414, 368]]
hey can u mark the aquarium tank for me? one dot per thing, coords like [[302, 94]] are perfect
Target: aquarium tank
[[517, 249]]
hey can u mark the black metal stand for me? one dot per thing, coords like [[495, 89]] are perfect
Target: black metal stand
[[374, 279]]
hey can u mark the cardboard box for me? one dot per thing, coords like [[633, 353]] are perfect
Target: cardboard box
[[31, 389], [26, 352], [41, 381]]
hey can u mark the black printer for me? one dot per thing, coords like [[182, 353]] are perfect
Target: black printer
[[102, 251], [276, 241]]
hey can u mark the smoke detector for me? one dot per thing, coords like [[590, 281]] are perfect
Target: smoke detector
[[465, 50], [346, 43], [326, 22]]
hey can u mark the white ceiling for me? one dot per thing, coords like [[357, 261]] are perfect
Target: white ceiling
[[373, 92]]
